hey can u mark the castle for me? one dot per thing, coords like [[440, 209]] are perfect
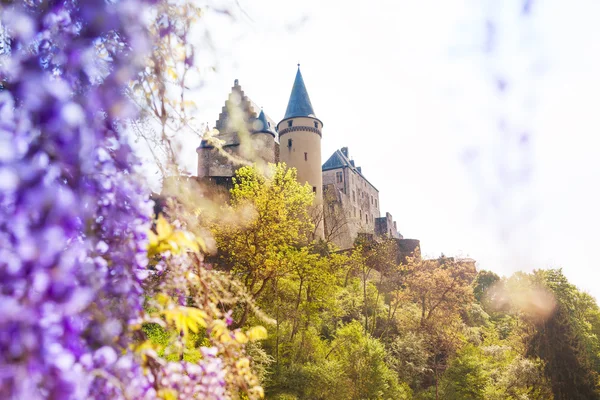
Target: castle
[[348, 203]]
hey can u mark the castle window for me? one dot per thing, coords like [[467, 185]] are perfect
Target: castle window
[[305, 156], [290, 122], [376, 203], [339, 177], [290, 143], [354, 199], [316, 125], [367, 218], [371, 199], [314, 189], [360, 213]]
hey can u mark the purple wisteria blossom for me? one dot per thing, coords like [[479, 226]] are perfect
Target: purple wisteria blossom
[[205, 380], [73, 217]]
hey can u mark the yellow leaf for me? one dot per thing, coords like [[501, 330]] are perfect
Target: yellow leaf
[[153, 239], [184, 241], [219, 330], [145, 345], [162, 299], [167, 394], [256, 333], [172, 73], [242, 363], [196, 318], [173, 246], [189, 103], [163, 228], [186, 319], [240, 337]]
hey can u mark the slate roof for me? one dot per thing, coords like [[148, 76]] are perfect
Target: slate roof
[[339, 160], [299, 104], [262, 125]]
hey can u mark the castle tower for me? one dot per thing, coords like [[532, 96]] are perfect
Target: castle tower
[[263, 139], [300, 141]]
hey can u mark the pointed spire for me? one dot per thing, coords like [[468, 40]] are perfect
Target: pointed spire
[[299, 104], [261, 124]]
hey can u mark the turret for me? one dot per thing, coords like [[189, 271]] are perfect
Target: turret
[[300, 140], [263, 138]]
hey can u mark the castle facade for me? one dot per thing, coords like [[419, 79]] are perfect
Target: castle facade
[[347, 203]]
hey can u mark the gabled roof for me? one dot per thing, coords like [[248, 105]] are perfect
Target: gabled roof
[[339, 160], [299, 104], [228, 133]]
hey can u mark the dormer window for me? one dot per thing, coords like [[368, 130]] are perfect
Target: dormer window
[[290, 122]]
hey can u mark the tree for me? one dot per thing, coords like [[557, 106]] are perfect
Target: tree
[[442, 289], [408, 356], [368, 256], [483, 281], [566, 342], [465, 378], [263, 242], [363, 360]]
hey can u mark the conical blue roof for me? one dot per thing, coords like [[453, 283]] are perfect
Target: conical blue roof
[[262, 125], [299, 104]]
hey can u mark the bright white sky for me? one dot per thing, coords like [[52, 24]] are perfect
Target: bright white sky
[[410, 89]]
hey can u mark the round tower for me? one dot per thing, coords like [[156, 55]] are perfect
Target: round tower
[[263, 138], [300, 141]]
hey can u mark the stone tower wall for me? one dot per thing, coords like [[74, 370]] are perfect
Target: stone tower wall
[[300, 148]]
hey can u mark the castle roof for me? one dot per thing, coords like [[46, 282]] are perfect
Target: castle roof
[[340, 160], [261, 125], [337, 160], [227, 131], [299, 104]]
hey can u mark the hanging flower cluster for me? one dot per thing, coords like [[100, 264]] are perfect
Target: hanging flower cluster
[[76, 288], [73, 219]]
